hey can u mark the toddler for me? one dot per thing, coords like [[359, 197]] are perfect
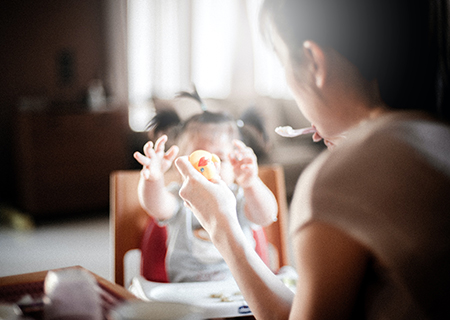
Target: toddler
[[191, 256]]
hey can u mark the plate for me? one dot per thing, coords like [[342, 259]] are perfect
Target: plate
[[216, 299]]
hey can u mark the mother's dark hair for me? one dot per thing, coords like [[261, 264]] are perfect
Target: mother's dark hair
[[404, 44]]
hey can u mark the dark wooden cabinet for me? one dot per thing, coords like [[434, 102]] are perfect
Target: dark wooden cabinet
[[63, 160]]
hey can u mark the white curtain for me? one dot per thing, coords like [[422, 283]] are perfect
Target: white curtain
[[116, 78], [158, 54], [269, 77], [214, 44]]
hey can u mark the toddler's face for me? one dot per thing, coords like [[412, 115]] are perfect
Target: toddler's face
[[219, 143]]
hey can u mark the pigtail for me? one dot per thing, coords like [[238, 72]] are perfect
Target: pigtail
[[193, 95], [164, 122], [253, 132]]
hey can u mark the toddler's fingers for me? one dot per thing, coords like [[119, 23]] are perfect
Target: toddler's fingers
[[239, 144], [247, 167], [242, 151], [151, 152], [232, 160], [143, 160], [246, 160], [236, 156], [172, 153], [160, 144], [148, 148]]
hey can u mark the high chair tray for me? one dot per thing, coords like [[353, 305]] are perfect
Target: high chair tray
[[217, 298]]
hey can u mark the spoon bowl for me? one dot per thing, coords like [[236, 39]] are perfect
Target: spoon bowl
[[289, 132]]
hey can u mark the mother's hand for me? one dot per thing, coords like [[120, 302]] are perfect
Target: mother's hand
[[213, 203]]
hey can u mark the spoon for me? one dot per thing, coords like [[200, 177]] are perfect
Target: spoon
[[288, 132]]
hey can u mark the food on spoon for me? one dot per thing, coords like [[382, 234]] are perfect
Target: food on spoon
[[206, 163], [287, 131]]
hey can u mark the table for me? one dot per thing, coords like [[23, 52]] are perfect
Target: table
[[12, 288]]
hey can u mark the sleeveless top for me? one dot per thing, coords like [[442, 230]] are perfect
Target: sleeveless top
[[191, 256]]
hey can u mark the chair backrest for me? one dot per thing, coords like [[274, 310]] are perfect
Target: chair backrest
[[128, 220]]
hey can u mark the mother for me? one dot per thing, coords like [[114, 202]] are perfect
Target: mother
[[370, 218]]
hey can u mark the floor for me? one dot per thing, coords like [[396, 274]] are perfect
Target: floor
[[53, 244]]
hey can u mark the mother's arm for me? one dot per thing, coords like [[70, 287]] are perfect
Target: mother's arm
[[331, 264], [215, 207], [331, 267]]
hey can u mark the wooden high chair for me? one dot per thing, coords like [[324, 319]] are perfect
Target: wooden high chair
[[128, 220]]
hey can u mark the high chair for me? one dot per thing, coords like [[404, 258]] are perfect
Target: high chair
[[128, 220]]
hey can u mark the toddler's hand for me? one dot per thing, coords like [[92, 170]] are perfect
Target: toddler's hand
[[244, 164], [154, 161]]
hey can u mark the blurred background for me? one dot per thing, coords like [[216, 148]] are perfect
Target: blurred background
[[79, 81]]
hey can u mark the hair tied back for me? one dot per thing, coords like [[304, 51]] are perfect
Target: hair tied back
[[193, 95]]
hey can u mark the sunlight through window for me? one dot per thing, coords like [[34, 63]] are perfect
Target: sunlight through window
[[269, 75], [173, 44], [213, 46], [139, 63]]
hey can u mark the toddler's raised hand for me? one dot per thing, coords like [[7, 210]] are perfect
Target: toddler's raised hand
[[155, 161], [244, 164]]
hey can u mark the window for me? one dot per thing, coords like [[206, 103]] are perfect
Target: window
[[214, 44]]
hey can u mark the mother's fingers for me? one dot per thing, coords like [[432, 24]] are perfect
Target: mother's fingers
[[187, 204], [192, 177], [185, 167], [187, 171]]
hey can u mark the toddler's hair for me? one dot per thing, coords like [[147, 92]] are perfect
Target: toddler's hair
[[163, 121], [253, 132], [249, 128]]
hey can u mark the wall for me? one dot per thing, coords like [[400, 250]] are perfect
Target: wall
[[49, 49]]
